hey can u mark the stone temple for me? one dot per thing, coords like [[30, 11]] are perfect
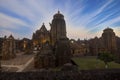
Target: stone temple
[[57, 51], [8, 48], [58, 28], [61, 49], [40, 36], [109, 40], [45, 57]]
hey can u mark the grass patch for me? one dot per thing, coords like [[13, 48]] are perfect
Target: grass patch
[[87, 63]]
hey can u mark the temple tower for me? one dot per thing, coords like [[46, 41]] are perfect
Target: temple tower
[[109, 40], [58, 27]]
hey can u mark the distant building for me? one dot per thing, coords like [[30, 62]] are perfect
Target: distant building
[[94, 46], [79, 48], [106, 43], [118, 48], [40, 37], [1, 42], [109, 40], [8, 48], [23, 45]]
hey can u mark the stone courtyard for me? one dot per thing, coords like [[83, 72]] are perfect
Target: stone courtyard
[[17, 64]]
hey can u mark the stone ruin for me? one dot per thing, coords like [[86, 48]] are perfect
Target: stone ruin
[[50, 57], [8, 48], [59, 53], [45, 57], [62, 51]]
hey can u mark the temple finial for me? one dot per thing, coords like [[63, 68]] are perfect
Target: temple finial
[[43, 23], [58, 11]]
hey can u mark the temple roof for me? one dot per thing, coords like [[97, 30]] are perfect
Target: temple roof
[[108, 29], [11, 37], [58, 15], [43, 28]]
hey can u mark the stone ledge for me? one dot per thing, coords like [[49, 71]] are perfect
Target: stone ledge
[[109, 74]]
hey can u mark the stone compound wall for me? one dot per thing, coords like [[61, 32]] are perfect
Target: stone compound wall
[[112, 74]]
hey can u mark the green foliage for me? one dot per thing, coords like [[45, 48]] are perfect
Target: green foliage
[[106, 57], [88, 62]]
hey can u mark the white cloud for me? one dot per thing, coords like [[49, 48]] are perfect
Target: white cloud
[[103, 7], [117, 30], [85, 19], [104, 18], [106, 24], [7, 33], [10, 22], [81, 32], [34, 10], [16, 7], [30, 9]]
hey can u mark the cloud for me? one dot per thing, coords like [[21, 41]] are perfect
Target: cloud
[[17, 7], [34, 11], [7, 33], [103, 7], [10, 22], [79, 28], [81, 32], [105, 24], [89, 17], [117, 30]]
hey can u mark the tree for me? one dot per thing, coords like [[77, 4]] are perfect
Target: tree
[[106, 57]]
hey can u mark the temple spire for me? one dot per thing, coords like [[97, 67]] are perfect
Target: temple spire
[[43, 23], [58, 12]]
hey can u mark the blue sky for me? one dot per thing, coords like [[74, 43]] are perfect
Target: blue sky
[[84, 18]]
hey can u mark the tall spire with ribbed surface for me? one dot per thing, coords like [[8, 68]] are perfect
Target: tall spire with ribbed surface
[[58, 27]]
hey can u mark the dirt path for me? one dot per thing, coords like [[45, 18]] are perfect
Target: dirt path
[[25, 65]]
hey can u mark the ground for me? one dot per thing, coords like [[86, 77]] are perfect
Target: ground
[[90, 62], [18, 64], [23, 63]]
